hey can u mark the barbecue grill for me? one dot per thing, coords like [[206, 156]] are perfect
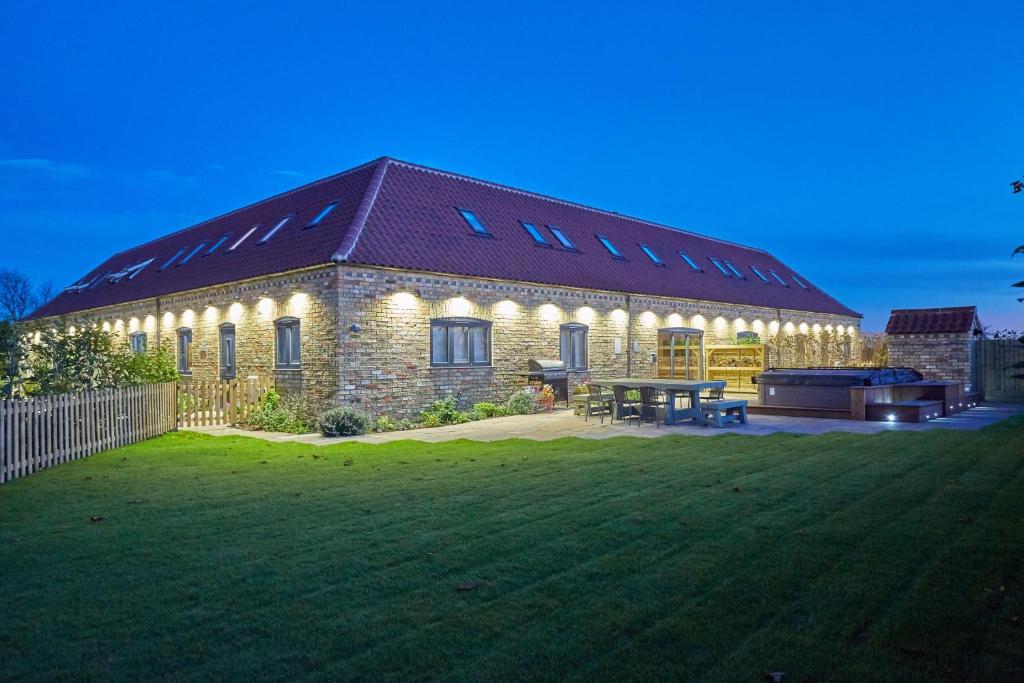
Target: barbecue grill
[[551, 372]]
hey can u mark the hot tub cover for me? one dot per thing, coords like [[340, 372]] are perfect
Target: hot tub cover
[[838, 377]]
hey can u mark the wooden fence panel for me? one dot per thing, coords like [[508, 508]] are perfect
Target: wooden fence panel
[[205, 403], [1002, 370], [43, 431]]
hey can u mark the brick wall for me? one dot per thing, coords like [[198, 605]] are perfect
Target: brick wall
[[366, 332], [385, 334], [936, 356]]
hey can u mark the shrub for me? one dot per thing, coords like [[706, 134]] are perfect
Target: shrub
[[443, 412], [522, 403], [384, 424], [343, 421], [276, 413], [486, 410]]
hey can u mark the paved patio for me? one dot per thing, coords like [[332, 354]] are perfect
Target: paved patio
[[561, 423]]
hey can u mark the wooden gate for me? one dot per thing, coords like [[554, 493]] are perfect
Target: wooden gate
[[203, 403], [1002, 369]]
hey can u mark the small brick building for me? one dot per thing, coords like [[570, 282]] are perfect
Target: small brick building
[[940, 343], [392, 284]]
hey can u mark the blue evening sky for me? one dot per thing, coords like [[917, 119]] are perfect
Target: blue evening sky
[[869, 145]]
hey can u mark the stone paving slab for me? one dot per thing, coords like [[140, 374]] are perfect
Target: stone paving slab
[[561, 423]]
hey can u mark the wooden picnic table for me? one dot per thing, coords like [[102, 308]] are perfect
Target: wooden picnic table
[[671, 388]]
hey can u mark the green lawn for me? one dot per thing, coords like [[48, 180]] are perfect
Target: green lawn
[[838, 557]]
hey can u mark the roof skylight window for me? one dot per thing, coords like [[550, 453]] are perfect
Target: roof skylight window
[[609, 246], [690, 262], [216, 245], [192, 253], [562, 238], [273, 230], [174, 258], [322, 215], [735, 272], [798, 281], [718, 264], [474, 222], [536, 234], [761, 275], [779, 278], [243, 237], [650, 253]]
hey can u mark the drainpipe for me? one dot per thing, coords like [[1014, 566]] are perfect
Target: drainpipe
[[159, 335], [629, 336]]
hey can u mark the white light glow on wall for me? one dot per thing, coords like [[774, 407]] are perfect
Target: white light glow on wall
[[550, 312], [72, 330], [840, 329], [119, 326], [757, 326], [403, 301], [235, 312], [188, 317], [828, 328], [298, 303], [674, 320], [169, 320], [816, 328], [265, 308], [133, 324], [648, 319], [586, 315], [106, 326], [773, 327], [210, 314], [789, 328], [459, 305], [150, 323], [852, 331], [507, 308], [619, 316], [698, 321], [720, 325], [803, 328], [740, 325]]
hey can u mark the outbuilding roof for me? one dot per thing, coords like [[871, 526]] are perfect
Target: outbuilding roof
[[932, 320], [395, 214]]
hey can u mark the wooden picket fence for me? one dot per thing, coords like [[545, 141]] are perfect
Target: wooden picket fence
[[203, 403], [40, 432]]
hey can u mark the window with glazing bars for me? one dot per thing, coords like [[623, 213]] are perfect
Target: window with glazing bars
[[460, 342], [289, 343], [185, 351], [227, 351], [562, 238], [573, 345]]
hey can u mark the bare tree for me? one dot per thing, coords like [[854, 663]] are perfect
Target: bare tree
[[18, 297]]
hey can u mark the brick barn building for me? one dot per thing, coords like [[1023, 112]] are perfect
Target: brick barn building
[[392, 284]]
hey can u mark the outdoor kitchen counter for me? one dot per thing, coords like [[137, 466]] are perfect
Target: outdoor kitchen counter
[[671, 388]]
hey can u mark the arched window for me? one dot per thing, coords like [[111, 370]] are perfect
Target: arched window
[[185, 350], [573, 343], [289, 344], [227, 351], [460, 342]]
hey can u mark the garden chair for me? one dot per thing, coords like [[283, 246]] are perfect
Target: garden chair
[[624, 405], [652, 403], [598, 401]]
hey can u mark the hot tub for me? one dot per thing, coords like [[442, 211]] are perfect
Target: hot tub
[[823, 388]]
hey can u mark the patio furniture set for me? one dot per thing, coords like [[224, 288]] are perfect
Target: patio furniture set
[[663, 400]]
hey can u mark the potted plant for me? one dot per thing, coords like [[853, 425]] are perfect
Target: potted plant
[[546, 398]]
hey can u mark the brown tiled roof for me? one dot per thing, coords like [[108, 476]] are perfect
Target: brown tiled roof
[[931, 320], [400, 215]]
